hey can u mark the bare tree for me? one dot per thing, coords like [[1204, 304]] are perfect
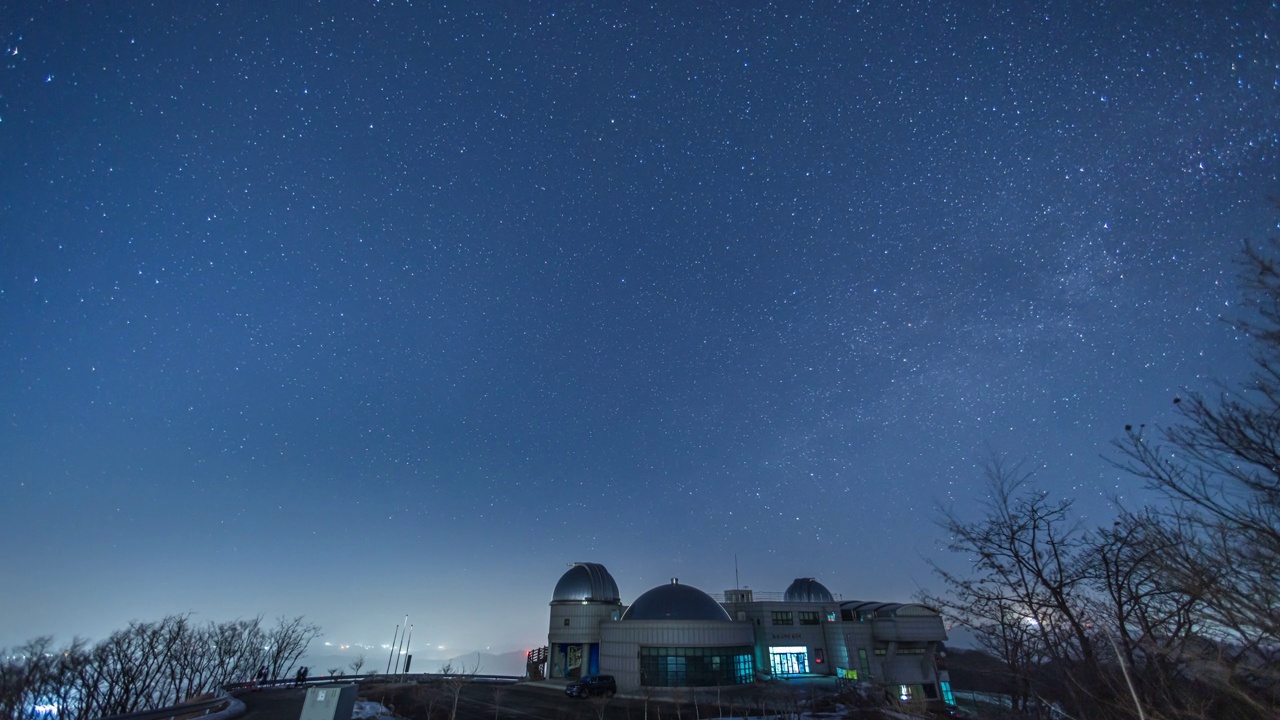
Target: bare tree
[[357, 664], [454, 679], [235, 649], [25, 677], [133, 665], [145, 666], [428, 694], [1149, 622], [287, 642], [599, 703], [647, 691], [1219, 465], [1093, 619], [498, 692], [1024, 594]]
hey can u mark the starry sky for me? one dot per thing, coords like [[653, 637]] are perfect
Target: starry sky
[[358, 309]]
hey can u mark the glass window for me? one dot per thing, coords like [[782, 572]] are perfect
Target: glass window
[[947, 696], [782, 617], [808, 617], [744, 669], [846, 615], [695, 666], [906, 693], [675, 670]]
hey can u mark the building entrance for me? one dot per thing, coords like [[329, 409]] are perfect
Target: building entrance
[[789, 660]]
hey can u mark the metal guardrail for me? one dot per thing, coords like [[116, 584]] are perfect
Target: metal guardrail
[[421, 677], [381, 677], [185, 710], [224, 701]]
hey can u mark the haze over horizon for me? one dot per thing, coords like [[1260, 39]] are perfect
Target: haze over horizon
[[351, 311]]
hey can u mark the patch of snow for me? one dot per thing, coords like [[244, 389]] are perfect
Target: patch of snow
[[368, 710]]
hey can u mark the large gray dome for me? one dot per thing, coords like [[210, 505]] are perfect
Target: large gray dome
[[586, 582], [675, 602], [807, 590]]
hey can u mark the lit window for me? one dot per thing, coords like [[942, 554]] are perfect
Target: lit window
[[697, 666], [947, 696]]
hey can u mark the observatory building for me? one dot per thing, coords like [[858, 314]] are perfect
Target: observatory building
[[675, 635]]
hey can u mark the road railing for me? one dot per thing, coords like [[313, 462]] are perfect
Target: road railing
[[222, 705]]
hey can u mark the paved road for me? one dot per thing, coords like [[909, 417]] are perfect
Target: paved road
[[487, 701], [479, 701], [272, 703], [531, 702]]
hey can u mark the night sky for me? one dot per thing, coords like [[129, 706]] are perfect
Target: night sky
[[352, 310]]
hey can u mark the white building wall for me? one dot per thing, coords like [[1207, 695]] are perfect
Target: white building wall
[[910, 628], [621, 658], [837, 650], [582, 630], [678, 633], [907, 670], [620, 642], [825, 635], [857, 636], [584, 621]]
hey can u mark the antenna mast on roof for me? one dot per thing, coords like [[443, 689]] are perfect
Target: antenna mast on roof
[[736, 584]]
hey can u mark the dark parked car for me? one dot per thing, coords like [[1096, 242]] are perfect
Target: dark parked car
[[589, 685]]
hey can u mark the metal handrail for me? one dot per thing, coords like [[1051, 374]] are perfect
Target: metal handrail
[[225, 700], [184, 710], [385, 677]]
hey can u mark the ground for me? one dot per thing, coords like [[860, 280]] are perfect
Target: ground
[[530, 700]]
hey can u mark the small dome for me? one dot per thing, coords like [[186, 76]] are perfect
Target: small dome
[[586, 582], [807, 590], [675, 602]]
